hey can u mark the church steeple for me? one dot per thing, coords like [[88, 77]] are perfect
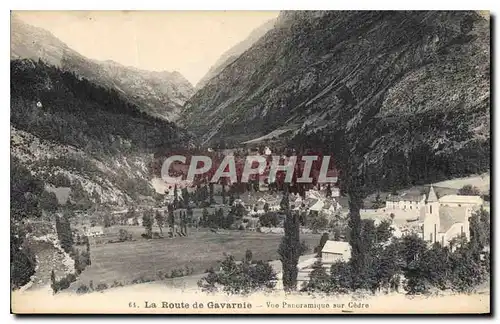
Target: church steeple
[[431, 198], [432, 221]]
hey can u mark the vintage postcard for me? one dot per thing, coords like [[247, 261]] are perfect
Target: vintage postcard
[[250, 162]]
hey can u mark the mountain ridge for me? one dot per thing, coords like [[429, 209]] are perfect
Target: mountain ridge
[[393, 84], [159, 93], [234, 52]]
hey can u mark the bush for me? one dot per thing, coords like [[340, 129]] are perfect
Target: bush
[[123, 235], [240, 278], [269, 219], [101, 287], [83, 289], [64, 283], [304, 248], [116, 284]]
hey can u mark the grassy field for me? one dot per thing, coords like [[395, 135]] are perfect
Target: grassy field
[[201, 250]]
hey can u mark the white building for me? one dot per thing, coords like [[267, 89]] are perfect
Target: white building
[[443, 222], [405, 202], [443, 219], [461, 201], [94, 231], [335, 251]]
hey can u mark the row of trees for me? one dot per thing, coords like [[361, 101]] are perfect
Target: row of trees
[[390, 264]]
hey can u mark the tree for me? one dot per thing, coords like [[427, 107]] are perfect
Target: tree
[[328, 191], [266, 207], [229, 220], [413, 249], [176, 197], [123, 235], [53, 282], [322, 241], [106, 220], [48, 201], [147, 222], [289, 248], [378, 203], [467, 272], [319, 279], [223, 192], [204, 217], [340, 278], [64, 233], [269, 219], [304, 248], [22, 259], [318, 222], [185, 197], [248, 256], [469, 190], [384, 231], [242, 278], [159, 220], [479, 229], [183, 223], [211, 193]]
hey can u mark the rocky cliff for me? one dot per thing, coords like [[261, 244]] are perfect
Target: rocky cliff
[[383, 63], [234, 52], [395, 86]]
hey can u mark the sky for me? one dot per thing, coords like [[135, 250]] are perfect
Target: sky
[[189, 42]]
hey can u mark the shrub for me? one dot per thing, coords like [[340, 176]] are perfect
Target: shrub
[[83, 289], [116, 284], [101, 287]]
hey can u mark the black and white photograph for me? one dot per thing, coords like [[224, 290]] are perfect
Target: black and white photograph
[[250, 162]]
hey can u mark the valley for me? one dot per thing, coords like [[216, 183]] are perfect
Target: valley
[[400, 100]]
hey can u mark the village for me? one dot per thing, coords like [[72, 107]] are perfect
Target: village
[[433, 213]]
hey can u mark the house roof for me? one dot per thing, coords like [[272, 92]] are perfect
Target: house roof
[[449, 216], [95, 229], [406, 196], [432, 196], [338, 247], [318, 205], [461, 199]]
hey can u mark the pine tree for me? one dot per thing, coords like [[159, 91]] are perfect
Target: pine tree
[[289, 249], [328, 191], [171, 218], [147, 222], [64, 233], [211, 193], [322, 242], [204, 217], [223, 192], [53, 283], [159, 220], [185, 197], [176, 198]]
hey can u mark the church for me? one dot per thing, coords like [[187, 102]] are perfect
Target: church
[[442, 218]]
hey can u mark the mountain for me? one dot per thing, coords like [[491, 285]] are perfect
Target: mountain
[[397, 84], [234, 52], [71, 133], [160, 94]]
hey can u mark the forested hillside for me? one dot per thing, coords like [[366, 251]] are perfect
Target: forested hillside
[[59, 106]]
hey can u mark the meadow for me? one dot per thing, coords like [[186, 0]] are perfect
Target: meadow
[[142, 258]]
